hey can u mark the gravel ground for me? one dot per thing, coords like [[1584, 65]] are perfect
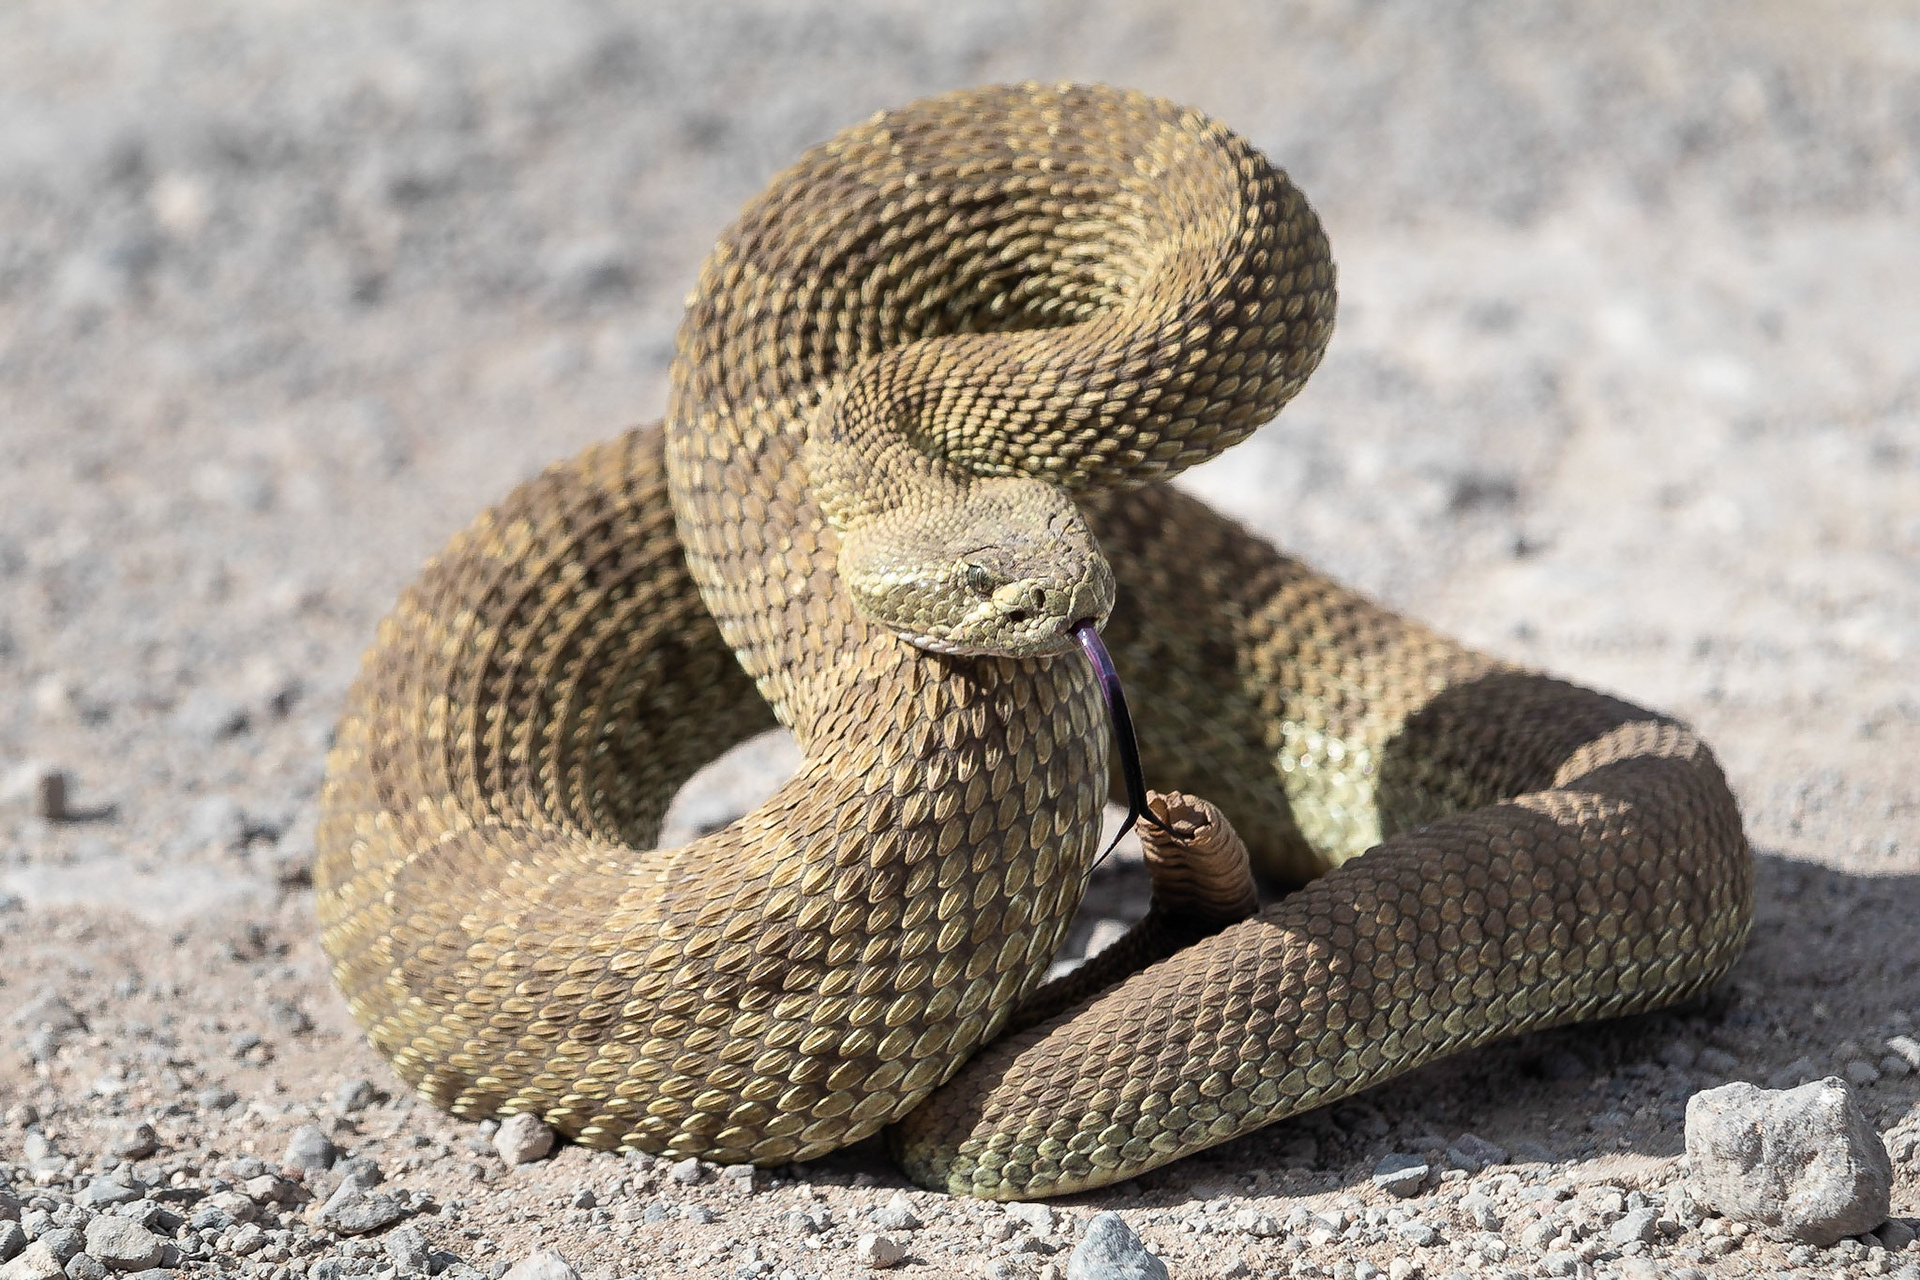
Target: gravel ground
[[1625, 387]]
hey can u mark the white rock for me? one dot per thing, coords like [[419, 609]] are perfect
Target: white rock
[[35, 1263], [523, 1138], [1803, 1163], [544, 1264]]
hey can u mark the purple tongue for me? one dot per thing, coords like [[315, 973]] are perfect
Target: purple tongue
[[1122, 731]]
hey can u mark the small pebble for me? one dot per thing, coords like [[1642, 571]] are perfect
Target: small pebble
[[1419, 1234], [523, 1138], [123, 1244], [310, 1150], [407, 1247], [12, 1241], [107, 1191], [1035, 1217], [543, 1265], [353, 1095], [1474, 1153], [136, 1142], [688, 1171], [877, 1252], [897, 1214], [743, 1178], [84, 1266], [1111, 1251], [1716, 1062], [1402, 1175], [1634, 1225], [1256, 1223], [1861, 1074], [354, 1210], [1804, 1163], [52, 796]]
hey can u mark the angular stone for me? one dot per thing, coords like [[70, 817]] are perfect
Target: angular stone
[[877, 1252], [123, 1244], [523, 1138], [1635, 1224], [1403, 1175], [1804, 1163], [1474, 1153], [354, 1210], [544, 1264], [36, 1262], [1111, 1251]]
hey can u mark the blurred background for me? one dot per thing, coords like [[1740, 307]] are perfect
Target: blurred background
[[1625, 382]]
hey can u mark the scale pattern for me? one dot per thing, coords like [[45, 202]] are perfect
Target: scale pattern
[[1071, 285]]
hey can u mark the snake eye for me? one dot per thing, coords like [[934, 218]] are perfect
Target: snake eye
[[980, 580]]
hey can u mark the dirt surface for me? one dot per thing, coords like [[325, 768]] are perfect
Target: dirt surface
[[1625, 386]]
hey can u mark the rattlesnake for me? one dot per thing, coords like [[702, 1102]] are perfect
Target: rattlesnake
[[928, 392]]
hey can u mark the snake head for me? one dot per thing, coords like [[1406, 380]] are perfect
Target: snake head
[[1002, 566]]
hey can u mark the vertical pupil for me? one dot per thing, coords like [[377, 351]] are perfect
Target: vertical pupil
[[979, 580]]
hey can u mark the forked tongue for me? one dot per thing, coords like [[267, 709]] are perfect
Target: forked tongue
[[1110, 689]]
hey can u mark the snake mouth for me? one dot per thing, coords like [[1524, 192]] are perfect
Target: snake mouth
[[1087, 633]]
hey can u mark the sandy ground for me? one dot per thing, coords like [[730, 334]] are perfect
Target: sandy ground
[[1625, 386]]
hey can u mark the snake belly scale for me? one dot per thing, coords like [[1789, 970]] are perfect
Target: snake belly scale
[[928, 391]]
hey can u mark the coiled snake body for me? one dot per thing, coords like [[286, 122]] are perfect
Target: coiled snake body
[[928, 389]]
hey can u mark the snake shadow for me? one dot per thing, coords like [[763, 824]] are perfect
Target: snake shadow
[[1832, 968]]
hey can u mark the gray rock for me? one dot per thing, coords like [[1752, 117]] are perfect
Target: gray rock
[[877, 1252], [310, 1149], [123, 1244], [1907, 1049], [1403, 1175], [354, 1210], [1635, 1224], [542, 1265], [523, 1138], [63, 1243], [688, 1171], [1110, 1251], [135, 1142], [1716, 1062], [1895, 1234], [84, 1266], [106, 1191], [12, 1241], [407, 1246], [1419, 1234], [1798, 1072], [353, 1095], [1474, 1153], [897, 1214], [1527, 1152], [1804, 1164]]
